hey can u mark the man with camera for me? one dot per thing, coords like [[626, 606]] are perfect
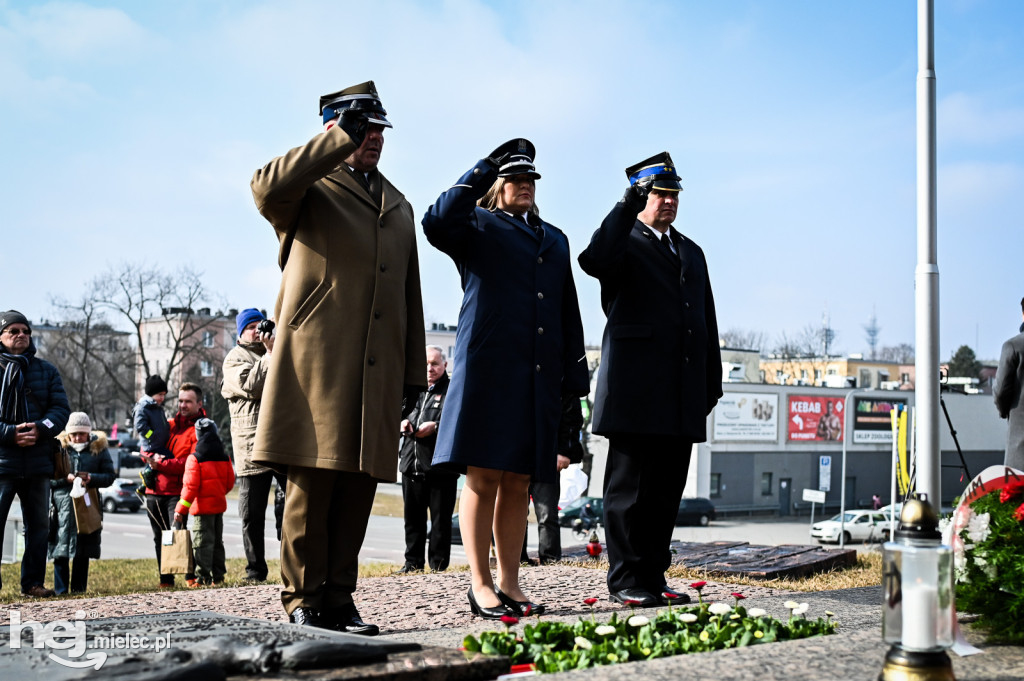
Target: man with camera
[[660, 375], [33, 410], [245, 373], [349, 346], [1009, 395]]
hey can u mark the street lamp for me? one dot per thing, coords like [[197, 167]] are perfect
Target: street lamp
[[917, 580]]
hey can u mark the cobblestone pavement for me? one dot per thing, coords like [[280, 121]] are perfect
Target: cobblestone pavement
[[401, 605]]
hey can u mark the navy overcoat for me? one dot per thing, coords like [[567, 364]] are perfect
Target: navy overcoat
[[519, 340], [661, 365]]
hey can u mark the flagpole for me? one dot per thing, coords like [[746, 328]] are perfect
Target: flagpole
[[926, 277]]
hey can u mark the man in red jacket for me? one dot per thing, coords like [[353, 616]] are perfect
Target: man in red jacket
[[209, 476], [165, 491]]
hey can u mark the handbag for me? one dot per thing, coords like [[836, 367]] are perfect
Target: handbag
[[87, 512], [61, 461], [176, 553]]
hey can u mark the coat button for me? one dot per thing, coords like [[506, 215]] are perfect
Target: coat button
[[371, 361], [686, 305], [540, 260], [376, 314], [540, 296], [476, 171], [383, 267], [689, 332], [686, 359], [682, 279], [538, 368], [381, 223], [540, 330]]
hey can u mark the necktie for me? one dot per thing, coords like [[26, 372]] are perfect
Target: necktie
[[536, 230], [666, 243]]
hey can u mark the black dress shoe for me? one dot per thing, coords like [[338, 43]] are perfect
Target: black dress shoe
[[346, 619], [495, 613], [305, 616], [522, 608], [408, 569], [678, 598], [642, 598]]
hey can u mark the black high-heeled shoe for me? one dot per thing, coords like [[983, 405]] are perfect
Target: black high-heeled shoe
[[522, 608], [495, 613]]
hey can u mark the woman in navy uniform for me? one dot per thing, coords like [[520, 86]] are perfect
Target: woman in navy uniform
[[520, 348]]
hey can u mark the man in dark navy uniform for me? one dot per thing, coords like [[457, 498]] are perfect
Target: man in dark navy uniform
[[660, 375]]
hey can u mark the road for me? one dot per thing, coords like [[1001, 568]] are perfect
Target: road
[[128, 535]]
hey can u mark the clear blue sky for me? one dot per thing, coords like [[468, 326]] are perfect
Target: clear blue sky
[[130, 130]]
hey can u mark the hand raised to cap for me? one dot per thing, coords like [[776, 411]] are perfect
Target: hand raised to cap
[[501, 155], [636, 193], [355, 124]]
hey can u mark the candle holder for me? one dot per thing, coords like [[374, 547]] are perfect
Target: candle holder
[[917, 579]]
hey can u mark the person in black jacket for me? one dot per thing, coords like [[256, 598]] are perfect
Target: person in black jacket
[[660, 374], [33, 410], [545, 494], [425, 488]]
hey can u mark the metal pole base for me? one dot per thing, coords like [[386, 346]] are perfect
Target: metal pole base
[[909, 665]]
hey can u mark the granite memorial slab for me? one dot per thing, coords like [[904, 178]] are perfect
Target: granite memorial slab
[[201, 646]]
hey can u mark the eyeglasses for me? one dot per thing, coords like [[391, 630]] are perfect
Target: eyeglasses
[[18, 331]]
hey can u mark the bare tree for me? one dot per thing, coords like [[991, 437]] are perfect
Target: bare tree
[[96, 362], [136, 293], [743, 339], [902, 353]]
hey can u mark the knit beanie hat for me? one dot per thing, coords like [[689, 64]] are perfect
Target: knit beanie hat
[[208, 444], [155, 384], [12, 317], [78, 422], [247, 317]]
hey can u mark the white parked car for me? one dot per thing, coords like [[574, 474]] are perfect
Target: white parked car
[[860, 525]]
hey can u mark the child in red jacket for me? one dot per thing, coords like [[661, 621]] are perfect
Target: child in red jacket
[[209, 476]]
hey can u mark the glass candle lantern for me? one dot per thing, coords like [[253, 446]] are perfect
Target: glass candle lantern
[[917, 580]]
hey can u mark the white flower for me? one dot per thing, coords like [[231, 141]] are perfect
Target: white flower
[[605, 630], [688, 617], [637, 621], [977, 527], [757, 612], [583, 643], [801, 609], [790, 605], [719, 608]]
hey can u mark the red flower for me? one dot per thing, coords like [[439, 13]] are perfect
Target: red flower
[[698, 585], [509, 620], [1018, 515], [1012, 490], [738, 597], [590, 601]]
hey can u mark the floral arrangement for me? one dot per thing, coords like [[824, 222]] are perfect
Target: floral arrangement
[[987, 535], [549, 646]]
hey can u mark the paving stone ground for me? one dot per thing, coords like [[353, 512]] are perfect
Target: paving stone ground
[[431, 609]]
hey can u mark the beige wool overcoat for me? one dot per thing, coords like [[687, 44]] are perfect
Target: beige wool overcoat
[[349, 314]]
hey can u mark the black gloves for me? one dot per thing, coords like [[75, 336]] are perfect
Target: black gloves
[[355, 124], [636, 194], [501, 155]]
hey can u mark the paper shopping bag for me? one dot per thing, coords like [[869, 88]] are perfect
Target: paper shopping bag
[[176, 553], [87, 512]]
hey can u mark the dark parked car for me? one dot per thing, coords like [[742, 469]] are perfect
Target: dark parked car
[[120, 495], [697, 511], [572, 511], [456, 531]]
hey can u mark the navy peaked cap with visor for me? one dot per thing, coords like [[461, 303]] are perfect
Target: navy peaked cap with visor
[[362, 97], [659, 167], [520, 159]]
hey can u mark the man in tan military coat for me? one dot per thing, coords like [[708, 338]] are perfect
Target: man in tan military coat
[[349, 345]]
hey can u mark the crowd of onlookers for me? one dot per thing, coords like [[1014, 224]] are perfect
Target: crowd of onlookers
[[54, 461]]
